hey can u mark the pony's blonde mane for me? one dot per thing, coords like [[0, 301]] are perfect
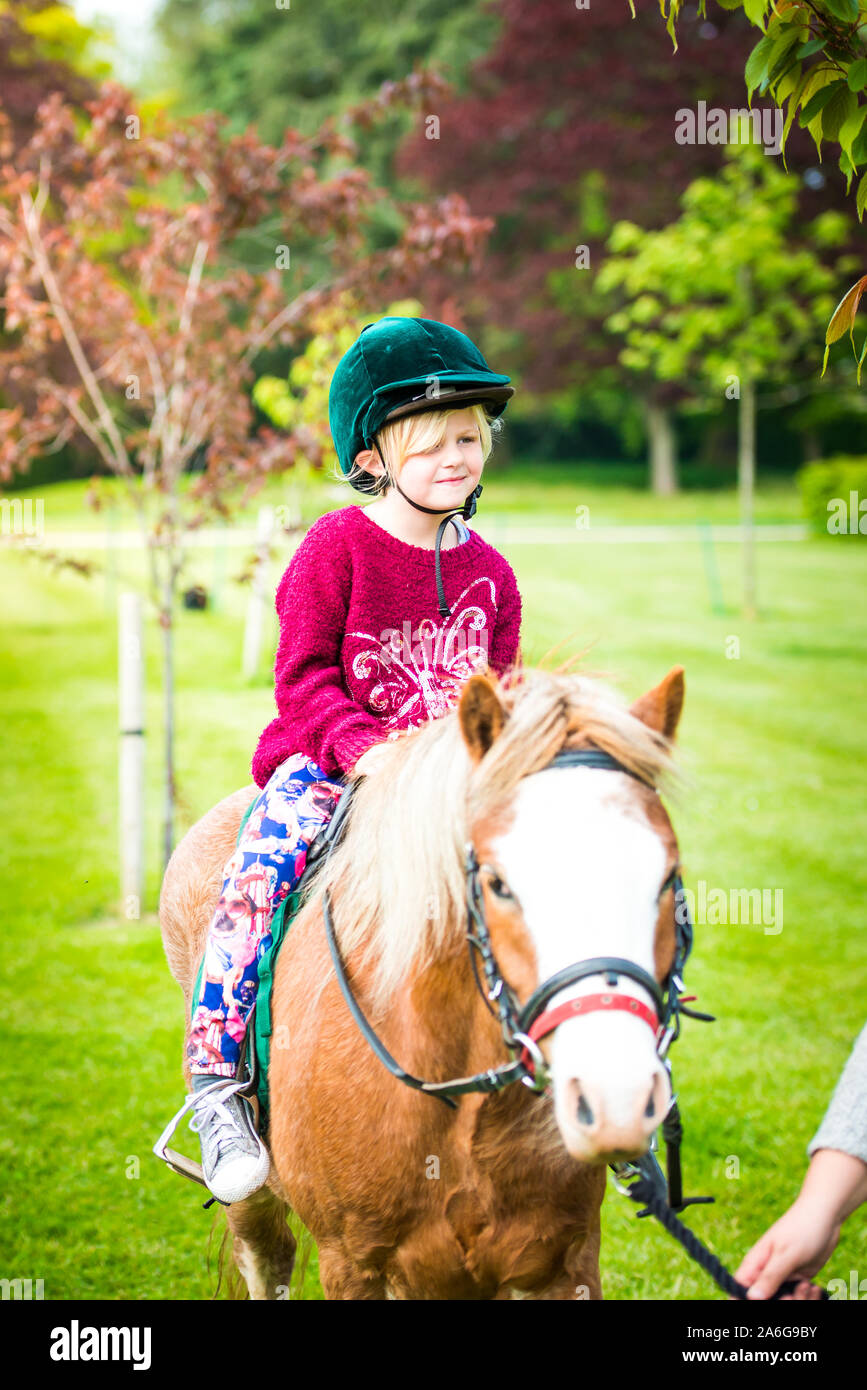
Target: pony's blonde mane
[[396, 880]]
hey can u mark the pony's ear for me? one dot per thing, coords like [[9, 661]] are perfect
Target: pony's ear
[[661, 707], [481, 715]]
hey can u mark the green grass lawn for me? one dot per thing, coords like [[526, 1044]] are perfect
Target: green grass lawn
[[773, 738], [537, 493]]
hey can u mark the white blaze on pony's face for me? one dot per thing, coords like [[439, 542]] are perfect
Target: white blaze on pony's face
[[586, 867], [585, 854]]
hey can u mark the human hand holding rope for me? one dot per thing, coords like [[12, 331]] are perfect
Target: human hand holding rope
[[805, 1237]]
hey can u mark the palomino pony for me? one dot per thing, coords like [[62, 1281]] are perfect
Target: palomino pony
[[499, 1196]]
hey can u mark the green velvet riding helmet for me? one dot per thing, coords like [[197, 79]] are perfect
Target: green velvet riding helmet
[[403, 366]]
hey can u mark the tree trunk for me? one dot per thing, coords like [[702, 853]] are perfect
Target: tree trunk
[[812, 446], [663, 450], [131, 708], [257, 604], [746, 489], [167, 624]]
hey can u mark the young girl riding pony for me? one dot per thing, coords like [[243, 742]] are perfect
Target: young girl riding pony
[[379, 630]]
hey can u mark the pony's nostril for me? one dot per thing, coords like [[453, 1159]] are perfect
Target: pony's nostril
[[650, 1107], [585, 1114]]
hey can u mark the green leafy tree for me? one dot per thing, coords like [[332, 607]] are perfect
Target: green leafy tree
[[812, 60], [272, 66], [727, 297]]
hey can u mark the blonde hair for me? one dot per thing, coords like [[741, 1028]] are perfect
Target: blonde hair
[[412, 434]]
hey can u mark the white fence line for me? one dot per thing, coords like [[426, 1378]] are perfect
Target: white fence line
[[663, 534], [497, 532]]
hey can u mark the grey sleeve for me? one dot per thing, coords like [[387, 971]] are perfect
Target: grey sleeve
[[845, 1124]]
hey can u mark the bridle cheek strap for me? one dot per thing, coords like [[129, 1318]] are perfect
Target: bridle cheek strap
[[587, 1004]]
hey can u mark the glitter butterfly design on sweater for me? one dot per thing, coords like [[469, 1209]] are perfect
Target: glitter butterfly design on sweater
[[419, 672]]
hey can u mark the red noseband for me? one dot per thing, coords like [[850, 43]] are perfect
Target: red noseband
[[588, 1004]]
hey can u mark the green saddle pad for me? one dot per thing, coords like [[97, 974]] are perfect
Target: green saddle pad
[[262, 1021]]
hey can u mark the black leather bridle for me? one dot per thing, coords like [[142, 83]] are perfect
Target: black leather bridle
[[529, 1065]]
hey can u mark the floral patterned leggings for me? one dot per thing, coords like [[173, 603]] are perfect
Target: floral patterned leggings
[[293, 807]]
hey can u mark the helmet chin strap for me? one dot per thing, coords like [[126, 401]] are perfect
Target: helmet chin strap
[[467, 509]]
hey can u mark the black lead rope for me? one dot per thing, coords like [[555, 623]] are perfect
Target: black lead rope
[[641, 1191], [645, 1188]]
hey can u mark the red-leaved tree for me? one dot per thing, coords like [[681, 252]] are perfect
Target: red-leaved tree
[[132, 320]]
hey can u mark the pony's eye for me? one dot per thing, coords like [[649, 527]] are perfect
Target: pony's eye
[[500, 889]]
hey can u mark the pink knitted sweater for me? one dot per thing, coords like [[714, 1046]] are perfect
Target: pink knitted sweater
[[363, 652]]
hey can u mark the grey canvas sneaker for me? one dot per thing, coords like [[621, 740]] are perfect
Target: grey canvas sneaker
[[235, 1162]]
